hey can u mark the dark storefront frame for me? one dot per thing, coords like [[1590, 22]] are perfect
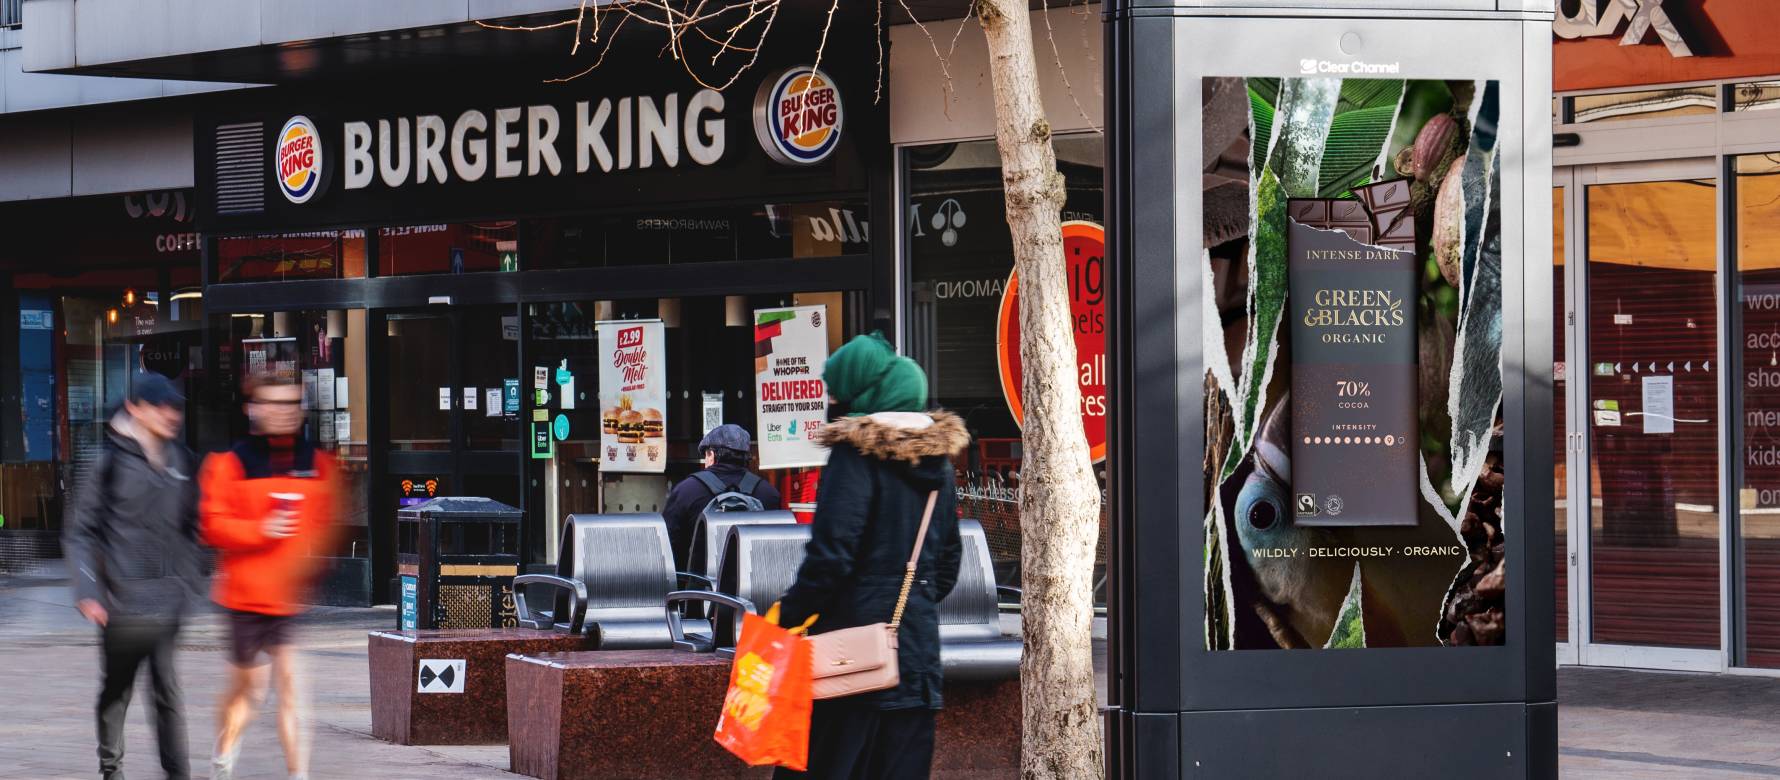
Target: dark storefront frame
[[861, 171]]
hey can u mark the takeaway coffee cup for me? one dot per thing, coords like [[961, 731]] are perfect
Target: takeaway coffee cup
[[287, 504]]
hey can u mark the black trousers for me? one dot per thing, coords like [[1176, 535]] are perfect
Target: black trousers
[[127, 642], [850, 742]]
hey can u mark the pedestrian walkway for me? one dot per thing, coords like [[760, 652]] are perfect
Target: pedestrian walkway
[[1613, 724]]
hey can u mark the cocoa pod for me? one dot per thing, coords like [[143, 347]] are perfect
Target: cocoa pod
[[1422, 158], [1448, 238]]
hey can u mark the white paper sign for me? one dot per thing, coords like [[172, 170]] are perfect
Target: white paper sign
[[791, 400], [343, 427], [568, 394], [325, 428], [324, 388], [633, 396], [1659, 404], [341, 397], [444, 399], [713, 408], [491, 402], [441, 675], [309, 390], [471, 395]]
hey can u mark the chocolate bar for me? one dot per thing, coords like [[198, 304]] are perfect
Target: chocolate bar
[[1351, 269]]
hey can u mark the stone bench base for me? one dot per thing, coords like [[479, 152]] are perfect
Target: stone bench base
[[650, 714], [402, 714]]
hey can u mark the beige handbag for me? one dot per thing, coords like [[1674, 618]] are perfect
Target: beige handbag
[[862, 659]]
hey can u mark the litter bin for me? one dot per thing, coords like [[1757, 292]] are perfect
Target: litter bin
[[455, 559]]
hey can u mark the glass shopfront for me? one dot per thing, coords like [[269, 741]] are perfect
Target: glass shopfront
[[103, 287], [1667, 391], [960, 261], [460, 315]]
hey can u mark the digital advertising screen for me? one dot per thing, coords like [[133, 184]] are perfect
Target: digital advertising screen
[[1353, 351]]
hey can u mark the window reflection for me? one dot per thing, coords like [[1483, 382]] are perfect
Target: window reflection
[[1648, 104], [1758, 492]]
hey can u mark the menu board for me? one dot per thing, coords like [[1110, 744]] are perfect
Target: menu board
[[791, 400], [1353, 353], [633, 396]]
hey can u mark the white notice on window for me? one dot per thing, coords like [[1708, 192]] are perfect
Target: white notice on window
[[1659, 404], [309, 390], [491, 402], [324, 389], [568, 394], [343, 427], [341, 397], [470, 396], [444, 399]]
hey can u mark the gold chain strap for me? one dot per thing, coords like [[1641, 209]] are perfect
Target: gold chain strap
[[908, 576]]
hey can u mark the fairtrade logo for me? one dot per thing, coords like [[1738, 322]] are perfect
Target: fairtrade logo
[[296, 154], [798, 116]]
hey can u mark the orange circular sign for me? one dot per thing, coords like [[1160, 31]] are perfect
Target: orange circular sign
[[1084, 249]]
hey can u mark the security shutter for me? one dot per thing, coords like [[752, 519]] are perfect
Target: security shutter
[[241, 168]]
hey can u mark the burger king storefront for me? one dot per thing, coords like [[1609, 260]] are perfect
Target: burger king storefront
[[539, 293]]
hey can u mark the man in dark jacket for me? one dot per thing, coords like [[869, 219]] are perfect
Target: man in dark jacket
[[884, 460], [725, 451], [132, 542]]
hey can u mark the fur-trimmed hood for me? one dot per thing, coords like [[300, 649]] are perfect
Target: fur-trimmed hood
[[900, 436]]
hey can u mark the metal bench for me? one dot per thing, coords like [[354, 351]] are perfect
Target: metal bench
[[758, 564], [613, 575], [705, 555], [971, 646]]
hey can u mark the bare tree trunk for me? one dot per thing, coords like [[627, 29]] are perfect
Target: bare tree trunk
[[1060, 499]]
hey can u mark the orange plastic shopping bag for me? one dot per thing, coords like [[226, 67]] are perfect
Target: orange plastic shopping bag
[[766, 715]]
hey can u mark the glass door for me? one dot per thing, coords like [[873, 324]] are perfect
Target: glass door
[[443, 369], [1646, 515], [1565, 446]]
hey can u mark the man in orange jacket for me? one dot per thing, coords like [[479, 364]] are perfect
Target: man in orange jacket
[[268, 508]]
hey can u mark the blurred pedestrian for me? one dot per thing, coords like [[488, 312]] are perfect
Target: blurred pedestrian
[[885, 457], [132, 542], [268, 508]]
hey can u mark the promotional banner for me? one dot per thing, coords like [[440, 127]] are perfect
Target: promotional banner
[[791, 401], [633, 395], [1353, 352], [1084, 250]]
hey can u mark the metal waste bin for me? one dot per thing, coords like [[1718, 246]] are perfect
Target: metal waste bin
[[455, 559]]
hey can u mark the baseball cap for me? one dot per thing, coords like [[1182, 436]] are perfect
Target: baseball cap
[[728, 436], [148, 387]]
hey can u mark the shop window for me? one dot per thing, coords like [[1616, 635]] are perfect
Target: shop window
[[448, 249], [325, 350], [323, 254], [107, 287], [1647, 104], [747, 232], [960, 257], [1758, 347], [1755, 96]]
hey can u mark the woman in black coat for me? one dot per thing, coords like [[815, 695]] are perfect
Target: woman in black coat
[[881, 468]]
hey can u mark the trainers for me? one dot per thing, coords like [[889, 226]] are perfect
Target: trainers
[[222, 767]]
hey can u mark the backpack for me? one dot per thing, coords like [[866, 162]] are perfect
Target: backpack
[[730, 498]]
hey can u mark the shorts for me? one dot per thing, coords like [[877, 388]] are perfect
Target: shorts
[[251, 634]]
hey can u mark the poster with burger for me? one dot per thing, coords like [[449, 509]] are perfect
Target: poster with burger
[[790, 350], [633, 392]]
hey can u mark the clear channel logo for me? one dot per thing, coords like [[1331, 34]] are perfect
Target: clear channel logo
[[1315, 67]]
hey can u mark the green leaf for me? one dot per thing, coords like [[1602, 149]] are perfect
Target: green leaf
[[1369, 93], [1350, 623], [1267, 300], [1354, 141], [1261, 111]]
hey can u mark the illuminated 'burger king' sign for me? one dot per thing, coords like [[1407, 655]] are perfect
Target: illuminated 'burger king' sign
[[798, 116], [296, 157]]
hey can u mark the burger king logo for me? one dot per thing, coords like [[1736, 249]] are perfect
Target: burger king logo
[[296, 154], [798, 116]]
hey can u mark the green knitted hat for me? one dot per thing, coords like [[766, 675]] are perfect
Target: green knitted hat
[[868, 376]]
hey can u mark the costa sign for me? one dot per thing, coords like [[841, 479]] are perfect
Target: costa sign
[[1603, 18], [297, 159], [1084, 250], [798, 116]]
